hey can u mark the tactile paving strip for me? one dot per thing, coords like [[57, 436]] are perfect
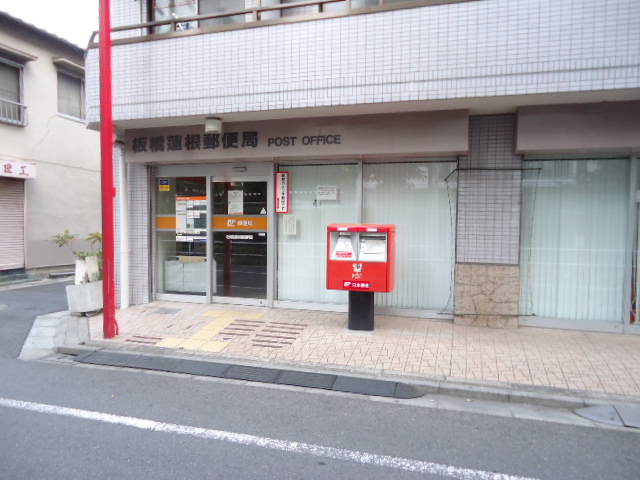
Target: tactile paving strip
[[338, 383]]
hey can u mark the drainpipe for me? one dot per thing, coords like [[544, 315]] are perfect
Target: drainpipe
[[110, 325]]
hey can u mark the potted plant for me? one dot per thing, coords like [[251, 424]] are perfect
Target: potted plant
[[86, 294]]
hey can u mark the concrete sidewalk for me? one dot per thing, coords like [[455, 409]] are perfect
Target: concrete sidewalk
[[525, 359]]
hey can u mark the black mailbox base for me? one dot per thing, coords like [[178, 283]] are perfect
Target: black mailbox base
[[361, 307]]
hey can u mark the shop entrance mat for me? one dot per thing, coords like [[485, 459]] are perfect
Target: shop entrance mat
[[337, 383]]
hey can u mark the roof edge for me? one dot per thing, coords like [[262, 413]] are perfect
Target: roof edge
[[42, 33]]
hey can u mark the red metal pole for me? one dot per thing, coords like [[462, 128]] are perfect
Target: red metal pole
[[110, 324]]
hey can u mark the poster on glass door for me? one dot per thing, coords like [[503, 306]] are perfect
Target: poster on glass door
[[191, 219], [236, 202]]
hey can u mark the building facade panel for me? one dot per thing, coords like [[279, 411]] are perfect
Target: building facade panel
[[452, 51]]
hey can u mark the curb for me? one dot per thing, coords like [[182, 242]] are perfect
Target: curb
[[72, 338], [511, 393]]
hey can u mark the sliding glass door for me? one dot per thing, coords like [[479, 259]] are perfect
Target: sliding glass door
[[240, 234]]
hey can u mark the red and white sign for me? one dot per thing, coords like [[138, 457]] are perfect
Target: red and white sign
[[282, 192], [347, 284], [16, 169]]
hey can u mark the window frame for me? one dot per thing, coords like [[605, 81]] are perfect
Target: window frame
[[74, 75], [22, 120]]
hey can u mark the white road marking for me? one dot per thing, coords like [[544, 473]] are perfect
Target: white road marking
[[264, 442]]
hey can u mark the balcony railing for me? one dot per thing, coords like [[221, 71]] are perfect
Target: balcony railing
[[261, 15], [13, 113]]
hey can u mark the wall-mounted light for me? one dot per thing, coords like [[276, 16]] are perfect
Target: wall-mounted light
[[213, 125]]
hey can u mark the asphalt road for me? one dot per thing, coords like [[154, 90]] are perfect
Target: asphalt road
[[219, 429], [20, 306], [63, 420]]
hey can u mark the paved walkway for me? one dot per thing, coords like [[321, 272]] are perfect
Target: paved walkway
[[592, 362]]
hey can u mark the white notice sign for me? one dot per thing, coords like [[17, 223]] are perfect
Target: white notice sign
[[289, 224], [236, 205], [326, 192]]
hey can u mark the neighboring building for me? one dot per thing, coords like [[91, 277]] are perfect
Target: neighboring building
[[49, 160], [500, 136]]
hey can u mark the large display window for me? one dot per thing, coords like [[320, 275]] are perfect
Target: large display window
[[412, 195], [573, 246], [416, 198], [319, 195]]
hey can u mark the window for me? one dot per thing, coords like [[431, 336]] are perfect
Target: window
[[573, 239], [414, 196], [11, 109], [70, 95], [175, 9], [163, 10]]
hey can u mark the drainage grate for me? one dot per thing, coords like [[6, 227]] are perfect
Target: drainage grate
[[362, 386]]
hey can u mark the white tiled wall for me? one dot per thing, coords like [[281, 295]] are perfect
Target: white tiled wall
[[139, 217], [138, 193], [464, 50], [489, 186]]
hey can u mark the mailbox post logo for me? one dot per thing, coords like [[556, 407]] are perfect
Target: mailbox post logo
[[357, 271]]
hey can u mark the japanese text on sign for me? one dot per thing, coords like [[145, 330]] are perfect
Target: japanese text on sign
[[282, 192], [197, 141], [192, 142], [357, 285], [15, 169]]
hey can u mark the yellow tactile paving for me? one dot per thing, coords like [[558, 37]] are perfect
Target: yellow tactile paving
[[598, 362], [192, 344], [219, 324], [204, 334], [202, 340], [170, 343]]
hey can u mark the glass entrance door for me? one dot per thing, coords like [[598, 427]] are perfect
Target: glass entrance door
[[240, 247]]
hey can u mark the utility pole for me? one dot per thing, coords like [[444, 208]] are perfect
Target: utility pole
[[110, 324]]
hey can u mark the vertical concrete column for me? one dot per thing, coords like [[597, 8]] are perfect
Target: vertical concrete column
[[487, 273]]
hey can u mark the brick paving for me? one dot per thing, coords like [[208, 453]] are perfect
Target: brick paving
[[586, 361]]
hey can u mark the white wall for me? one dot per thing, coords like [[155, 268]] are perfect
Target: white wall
[[66, 190]]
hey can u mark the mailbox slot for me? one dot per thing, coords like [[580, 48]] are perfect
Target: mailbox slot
[[373, 247]]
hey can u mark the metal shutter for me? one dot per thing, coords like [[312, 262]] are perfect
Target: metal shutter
[[11, 223]]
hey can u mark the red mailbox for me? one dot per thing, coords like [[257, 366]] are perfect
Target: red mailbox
[[361, 258]]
